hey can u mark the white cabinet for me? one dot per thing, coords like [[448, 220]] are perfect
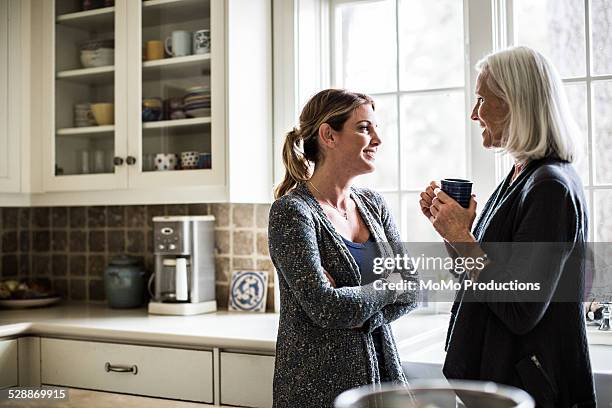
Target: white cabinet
[[10, 96], [216, 103], [246, 379], [8, 363], [143, 370]]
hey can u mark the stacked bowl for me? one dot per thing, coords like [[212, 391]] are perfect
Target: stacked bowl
[[97, 53], [196, 103], [83, 115]]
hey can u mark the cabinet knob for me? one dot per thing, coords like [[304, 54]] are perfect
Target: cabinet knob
[[130, 160], [118, 161]]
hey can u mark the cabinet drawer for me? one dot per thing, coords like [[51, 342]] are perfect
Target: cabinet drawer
[[246, 379], [160, 372], [8, 363]]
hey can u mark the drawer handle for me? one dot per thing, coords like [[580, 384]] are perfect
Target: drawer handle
[[121, 369]]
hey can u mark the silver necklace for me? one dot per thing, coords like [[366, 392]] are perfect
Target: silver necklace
[[343, 214]]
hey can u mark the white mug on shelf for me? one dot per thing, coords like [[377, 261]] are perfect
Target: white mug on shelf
[[179, 44], [201, 42]]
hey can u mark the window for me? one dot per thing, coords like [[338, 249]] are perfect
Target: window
[[577, 36], [409, 55]]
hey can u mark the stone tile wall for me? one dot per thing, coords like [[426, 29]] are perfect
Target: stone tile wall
[[72, 245]]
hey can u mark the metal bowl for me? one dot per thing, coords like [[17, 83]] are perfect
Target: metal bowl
[[435, 394]]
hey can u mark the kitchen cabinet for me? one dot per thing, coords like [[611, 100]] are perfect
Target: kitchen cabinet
[[8, 363], [246, 379], [110, 155], [10, 96], [152, 371]]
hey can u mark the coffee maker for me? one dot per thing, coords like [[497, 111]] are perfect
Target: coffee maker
[[184, 265]]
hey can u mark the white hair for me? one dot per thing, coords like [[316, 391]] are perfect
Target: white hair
[[539, 122]]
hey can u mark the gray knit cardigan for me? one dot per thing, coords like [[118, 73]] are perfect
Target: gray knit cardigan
[[324, 344]]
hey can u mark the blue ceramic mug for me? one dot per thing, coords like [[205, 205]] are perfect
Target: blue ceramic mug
[[460, 190]]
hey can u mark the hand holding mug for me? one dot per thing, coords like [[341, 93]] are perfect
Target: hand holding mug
[[427, 197], [450, 219]]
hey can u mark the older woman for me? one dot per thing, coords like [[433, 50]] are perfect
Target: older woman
[[540, 345], [334, 329]]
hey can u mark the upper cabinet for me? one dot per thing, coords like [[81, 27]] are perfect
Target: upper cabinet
[[137, 97], [10, 96]]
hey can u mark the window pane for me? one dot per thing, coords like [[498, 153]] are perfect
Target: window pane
[[555, 28], [415, 226], [431, 44], [602, 131], [576, 96], [601, 28], [366, 47], [603, 215], [433, 142], [385, 177]]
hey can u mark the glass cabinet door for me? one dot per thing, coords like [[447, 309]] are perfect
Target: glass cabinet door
[[175, 78], [85, 87]]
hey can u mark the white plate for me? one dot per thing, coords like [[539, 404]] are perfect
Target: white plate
[[198, 113], [21, 303]]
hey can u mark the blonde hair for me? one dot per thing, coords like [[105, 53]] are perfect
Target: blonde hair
[[301, 148], [539, 122]]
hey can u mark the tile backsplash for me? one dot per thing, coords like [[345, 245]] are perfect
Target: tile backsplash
[[72, 245]]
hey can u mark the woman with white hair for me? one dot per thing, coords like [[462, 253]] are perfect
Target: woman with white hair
[[538, 345]]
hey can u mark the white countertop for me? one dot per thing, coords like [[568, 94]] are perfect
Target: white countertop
[[420, 337]]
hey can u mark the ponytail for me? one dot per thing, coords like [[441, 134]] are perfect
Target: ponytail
[[297, 167]]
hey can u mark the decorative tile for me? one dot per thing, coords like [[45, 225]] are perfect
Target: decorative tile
[[59, 265], [243, 215], [78, 241], [59, 240], [248, 290], [262, 212], [9, 241], [41, 217], [78, 217], [77, 265], [59, 217], [41, 241], [97, 241], [221, 213], [115, 216], [243, 242], [136, 216], [96, 217]]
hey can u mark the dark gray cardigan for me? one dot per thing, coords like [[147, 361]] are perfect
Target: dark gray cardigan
[[324, 343], [497, 341]]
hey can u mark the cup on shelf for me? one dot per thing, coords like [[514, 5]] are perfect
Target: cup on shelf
[[178, 44], [104, 113], [83, 115], [154, 50], [148, 162], [151, 109], [99, 165], [84, 159], [189, 160], [204, 161], [165, 161], [201, 42]]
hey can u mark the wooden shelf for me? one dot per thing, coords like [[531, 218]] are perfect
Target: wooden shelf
[[89, 75], [175, 123], [176, 67], [91, 20], [86, 130], [158, 12]]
